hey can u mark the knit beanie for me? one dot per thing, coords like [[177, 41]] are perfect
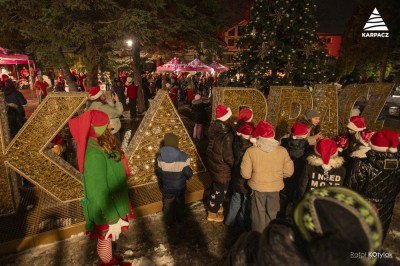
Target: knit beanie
[[339, 213], [311, 113], [170, 139]]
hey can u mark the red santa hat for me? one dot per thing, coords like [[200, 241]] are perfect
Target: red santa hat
[[326, 148], [365, 136], [223, 113], [356, 123], [93, 124], [95, 93], [246, 115], [245, 130], [385, 141], [263, 130], [299, 130]]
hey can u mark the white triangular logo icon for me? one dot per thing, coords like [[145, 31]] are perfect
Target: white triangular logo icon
[[375, 22]]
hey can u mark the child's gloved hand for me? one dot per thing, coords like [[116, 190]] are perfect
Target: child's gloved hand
[[57, 149], [115, 229]]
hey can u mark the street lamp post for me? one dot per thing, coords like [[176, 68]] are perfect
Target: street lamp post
[[135, 52]]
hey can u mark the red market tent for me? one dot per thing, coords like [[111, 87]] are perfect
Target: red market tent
[[6, 58], [14, 59], [175, 64], [218, 67], [199, 66]]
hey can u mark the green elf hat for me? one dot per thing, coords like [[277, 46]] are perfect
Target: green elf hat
[[92, 123], [343, 213]]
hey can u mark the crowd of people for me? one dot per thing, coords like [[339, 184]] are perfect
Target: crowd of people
[[301, 199], [304, 199], [272, 181]]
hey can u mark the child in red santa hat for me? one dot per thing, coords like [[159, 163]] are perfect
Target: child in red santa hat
[[297, 146], [239, 205], [324, 168], [220, 160], [265, 165]]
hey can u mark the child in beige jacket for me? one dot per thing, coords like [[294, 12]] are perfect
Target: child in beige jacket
[[265, 165]]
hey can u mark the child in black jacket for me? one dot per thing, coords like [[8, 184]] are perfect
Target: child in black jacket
[[324, 168], [296, 145]]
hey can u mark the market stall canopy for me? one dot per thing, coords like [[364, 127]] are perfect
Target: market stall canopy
[[199, 66], [175, 64], [218, 67], [13, 59]]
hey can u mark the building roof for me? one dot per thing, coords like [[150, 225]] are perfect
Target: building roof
[[333, 15]]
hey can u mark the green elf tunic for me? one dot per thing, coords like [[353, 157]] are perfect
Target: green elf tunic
[[105, 191]]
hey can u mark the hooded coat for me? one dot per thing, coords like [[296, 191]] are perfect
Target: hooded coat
[[219, 151], [377, 178], [317, 175], [174, 169], [266, 165]]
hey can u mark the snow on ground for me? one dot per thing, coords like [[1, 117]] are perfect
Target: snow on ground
[[149, 242]]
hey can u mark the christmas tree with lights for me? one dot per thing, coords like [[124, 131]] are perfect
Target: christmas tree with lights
[[281, 46]]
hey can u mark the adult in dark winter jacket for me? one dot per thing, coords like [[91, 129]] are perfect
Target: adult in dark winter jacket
[[119, 89], [296, 145], [199, 106], [220, 160], [239, 205], [15, 110], [311, 118], [174, 169], [377, 177], [324, 168]]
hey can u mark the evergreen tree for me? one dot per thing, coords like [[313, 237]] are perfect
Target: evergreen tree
[[94, 28], [281, 38]]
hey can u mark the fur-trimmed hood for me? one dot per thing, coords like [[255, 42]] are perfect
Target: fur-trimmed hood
[[361, 152], [334, 162]]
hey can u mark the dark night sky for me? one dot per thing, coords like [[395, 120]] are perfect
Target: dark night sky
[[332, 15]]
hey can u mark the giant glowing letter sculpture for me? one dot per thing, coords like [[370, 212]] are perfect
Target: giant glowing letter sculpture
[[326, 102], [26, 153], [142, 151], [285, 105], [239, 97]]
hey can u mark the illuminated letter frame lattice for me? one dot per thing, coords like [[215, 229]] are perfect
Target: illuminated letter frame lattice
[[142, 151], [27, 152]]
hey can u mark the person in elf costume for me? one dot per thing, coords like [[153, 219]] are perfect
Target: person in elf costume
[[106, 205]]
